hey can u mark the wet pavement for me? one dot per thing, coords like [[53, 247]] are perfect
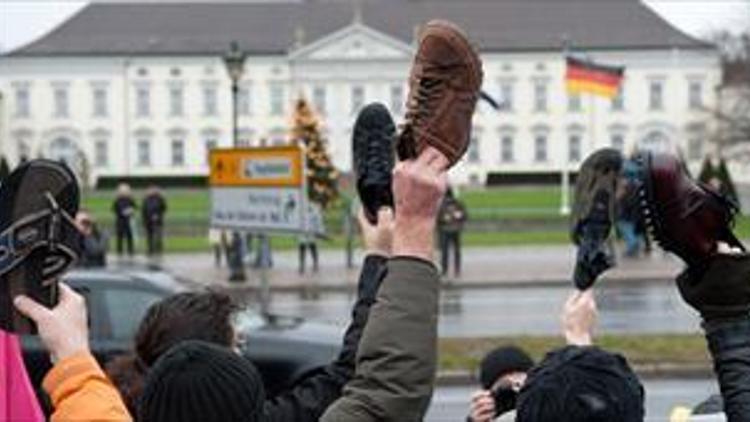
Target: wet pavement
[[450, 404], [503, 291], [498, 311], [483, 267]]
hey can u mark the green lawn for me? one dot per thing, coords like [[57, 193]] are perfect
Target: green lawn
[[500, 216], [516, 202], [465, 354]]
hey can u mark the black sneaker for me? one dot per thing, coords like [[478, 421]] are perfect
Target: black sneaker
[[593, 214], [372, 149]]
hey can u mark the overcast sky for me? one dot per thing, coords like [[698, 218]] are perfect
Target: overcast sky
[[24, 21]]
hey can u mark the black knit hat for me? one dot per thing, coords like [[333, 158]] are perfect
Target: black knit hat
[[201, 382], [581, 384], [502, 361]]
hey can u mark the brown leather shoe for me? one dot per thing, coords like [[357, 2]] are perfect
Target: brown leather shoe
[[685, 217], [444, 86]]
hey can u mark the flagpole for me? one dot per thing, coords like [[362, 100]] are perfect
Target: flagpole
[[564, 171], [592, 123]]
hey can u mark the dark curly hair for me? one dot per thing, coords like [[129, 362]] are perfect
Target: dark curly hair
[[205, 316]]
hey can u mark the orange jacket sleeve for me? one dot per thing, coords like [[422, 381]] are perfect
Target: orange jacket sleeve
[[81, 392]]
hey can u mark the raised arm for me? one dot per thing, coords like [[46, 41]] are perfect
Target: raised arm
[[397, 358], [78, 387], [721, 293], [308, 400]]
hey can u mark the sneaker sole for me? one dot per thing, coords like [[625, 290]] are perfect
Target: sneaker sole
[[604, 159]]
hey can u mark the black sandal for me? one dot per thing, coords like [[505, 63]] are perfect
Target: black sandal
[[38, 237]]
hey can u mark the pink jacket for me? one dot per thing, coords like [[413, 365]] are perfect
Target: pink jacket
[[17, 399]]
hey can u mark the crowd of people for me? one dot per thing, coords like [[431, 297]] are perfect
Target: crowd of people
[[153, 210], [184, 366], [95, 240]]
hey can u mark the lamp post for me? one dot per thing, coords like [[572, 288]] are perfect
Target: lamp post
[[234, 60]]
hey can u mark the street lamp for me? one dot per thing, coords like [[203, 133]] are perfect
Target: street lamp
[[234, 60]]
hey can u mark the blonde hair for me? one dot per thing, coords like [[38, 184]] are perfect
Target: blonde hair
[[123, 189]]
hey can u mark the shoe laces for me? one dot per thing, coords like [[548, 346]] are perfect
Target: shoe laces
[[377, 155], [428, 89]]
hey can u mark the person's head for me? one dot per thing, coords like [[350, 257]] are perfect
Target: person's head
[[123, 189], [84, 222], [506, 365], [581, 384], [205, 316], [201, 382]]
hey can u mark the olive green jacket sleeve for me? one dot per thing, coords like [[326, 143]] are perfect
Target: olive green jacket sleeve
[[397, 356]]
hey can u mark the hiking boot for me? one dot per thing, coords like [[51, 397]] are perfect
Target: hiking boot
[[593, 215], [372, 150], [685, 217], [444, 86]]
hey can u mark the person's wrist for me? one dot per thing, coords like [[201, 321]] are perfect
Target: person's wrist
[[413, 237], [573, 338], [65, 352], [378, 251]]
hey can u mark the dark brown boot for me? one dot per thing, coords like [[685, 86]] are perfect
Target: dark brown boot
[[686, 218], [444, 86]]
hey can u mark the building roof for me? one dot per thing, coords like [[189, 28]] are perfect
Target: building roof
[[275, 28]]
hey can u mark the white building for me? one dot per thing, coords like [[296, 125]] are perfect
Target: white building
[[141, 91]]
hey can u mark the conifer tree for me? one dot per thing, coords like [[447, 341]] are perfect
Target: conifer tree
[[322, 177]]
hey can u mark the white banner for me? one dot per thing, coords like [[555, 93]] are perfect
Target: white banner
[[258, 209]]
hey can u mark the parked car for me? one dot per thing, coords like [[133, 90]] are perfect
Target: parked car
[[284, 349]]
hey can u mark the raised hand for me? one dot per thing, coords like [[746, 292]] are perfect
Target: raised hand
[[418, 189], [64, 328], [482, 406], [377, 238], [579, 317]]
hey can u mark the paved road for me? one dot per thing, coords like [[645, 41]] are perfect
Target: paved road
[[450, 404], [483, 266], [623, 308]]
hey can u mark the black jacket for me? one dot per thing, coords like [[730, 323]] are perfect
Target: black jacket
[[729, 343], [720, 291], [307, 400], [124, 208], [154, 208]]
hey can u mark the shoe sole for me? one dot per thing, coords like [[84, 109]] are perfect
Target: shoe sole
[[606, 159], [27, 277], [650, 213]]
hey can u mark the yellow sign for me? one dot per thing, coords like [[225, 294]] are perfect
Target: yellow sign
[[263, 166]]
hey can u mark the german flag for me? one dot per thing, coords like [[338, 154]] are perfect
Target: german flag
[[585, 76]]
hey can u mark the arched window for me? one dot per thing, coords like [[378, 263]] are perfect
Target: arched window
[[63, 149], [655, 140]]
